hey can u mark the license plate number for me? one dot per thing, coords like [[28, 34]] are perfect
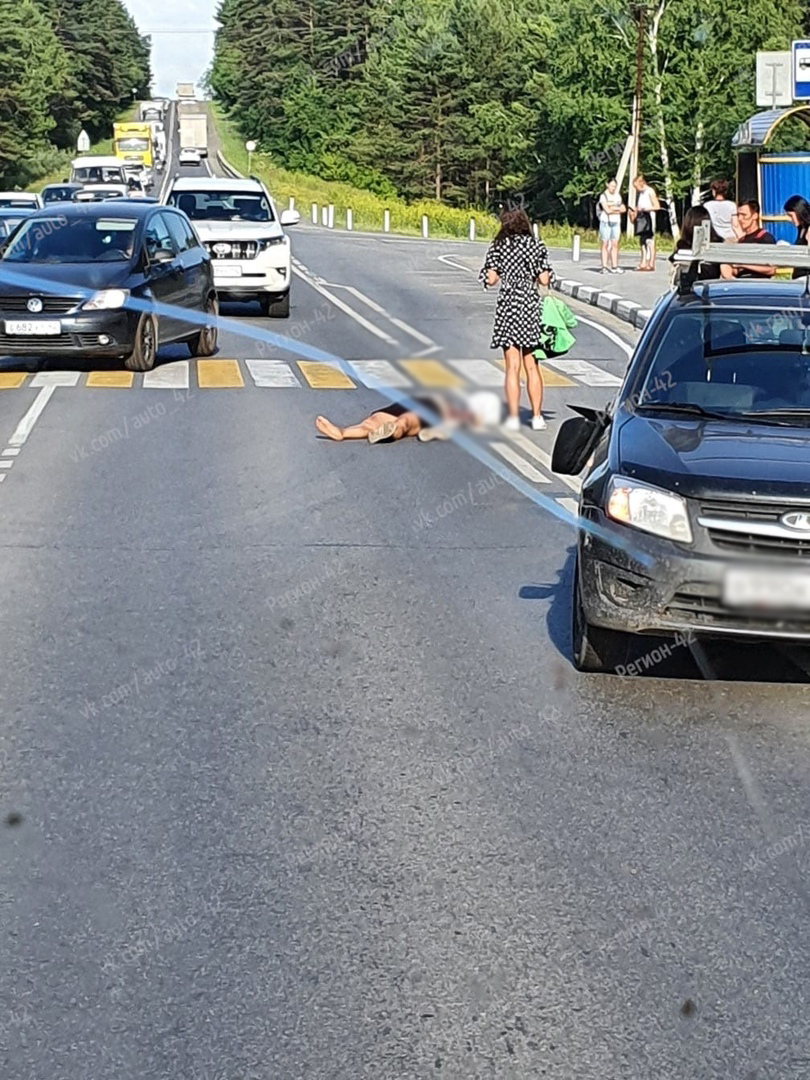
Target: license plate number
[[780, 590], [227, 271], [39, 328]]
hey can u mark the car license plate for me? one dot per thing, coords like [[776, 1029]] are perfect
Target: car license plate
[[781, 590], [227, 271], [40, 328]]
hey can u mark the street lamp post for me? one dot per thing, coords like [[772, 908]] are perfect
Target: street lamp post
[[639, 13]]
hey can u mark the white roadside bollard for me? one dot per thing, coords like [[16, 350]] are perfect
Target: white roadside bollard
[[349, 219], [536, 231], [331, 216], [325, 216], [424, 227], [472, 228], [314, 213], [386, 221], [575, 247], [292, 203]]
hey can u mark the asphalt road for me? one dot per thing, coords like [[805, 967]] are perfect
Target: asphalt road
[[297, 778]]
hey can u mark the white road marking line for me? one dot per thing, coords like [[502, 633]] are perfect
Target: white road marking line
[[373, 372], [571, 505], [10, 453], [519, 463], [272, 373], [537, 452], [589, 374], [410, 330], [6, 464], [168, 376], [480, 372], [310, 279], [23, 429], [448, 261], [628, 349], [2, 477], [55, 378]]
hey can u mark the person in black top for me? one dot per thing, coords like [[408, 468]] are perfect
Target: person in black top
[[748, 215], [696, 271], [797, 209]]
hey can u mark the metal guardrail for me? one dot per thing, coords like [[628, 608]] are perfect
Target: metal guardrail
[[781, 255], [226, 165]]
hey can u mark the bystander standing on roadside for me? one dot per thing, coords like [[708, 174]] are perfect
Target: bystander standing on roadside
[[797, 209], [611, 208], [723, 211], [643, 217], [696, 271], [519, 263], [748, 214]]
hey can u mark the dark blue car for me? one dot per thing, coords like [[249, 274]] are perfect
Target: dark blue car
[[111, 279]]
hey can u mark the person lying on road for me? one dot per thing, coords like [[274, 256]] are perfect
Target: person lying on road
[[395, 421]]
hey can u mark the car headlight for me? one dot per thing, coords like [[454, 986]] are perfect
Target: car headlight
[[272, 242], [107, 300], [649, 509]]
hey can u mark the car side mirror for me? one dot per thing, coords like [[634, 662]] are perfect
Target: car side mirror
[[161, 256], [576, 440], [289, 217]]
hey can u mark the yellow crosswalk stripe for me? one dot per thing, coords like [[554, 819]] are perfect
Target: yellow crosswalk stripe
[[110, 378], [550, 378], [219, 373], [432, 374], [9, 380], [324, 376]]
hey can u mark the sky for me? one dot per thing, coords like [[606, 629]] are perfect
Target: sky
[[176, 57]]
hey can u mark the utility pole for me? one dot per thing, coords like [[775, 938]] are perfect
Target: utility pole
[[639, 12]]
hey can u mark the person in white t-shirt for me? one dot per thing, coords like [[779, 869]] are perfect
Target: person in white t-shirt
[[643, 216], [723, 212], [611, 207]]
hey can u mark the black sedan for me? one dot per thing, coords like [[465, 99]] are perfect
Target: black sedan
[[695, 514], [106, 280]]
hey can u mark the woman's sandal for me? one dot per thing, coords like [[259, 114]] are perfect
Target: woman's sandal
[[384, 431]]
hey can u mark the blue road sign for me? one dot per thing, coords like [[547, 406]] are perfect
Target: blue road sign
[[801, 70]]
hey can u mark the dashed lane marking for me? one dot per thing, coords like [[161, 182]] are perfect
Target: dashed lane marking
[[519, 463], [571, 505], [219, 374], [168, 377], [110, 378], [587, 373], [324, 376], [550, 378], [275, 373], [432, 374]]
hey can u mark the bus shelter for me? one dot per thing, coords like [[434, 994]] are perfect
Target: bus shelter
[[771, 178]]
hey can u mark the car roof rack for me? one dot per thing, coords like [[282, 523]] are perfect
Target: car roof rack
[[703, 250]]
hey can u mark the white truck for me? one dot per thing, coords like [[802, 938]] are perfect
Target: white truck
[[151, 110], [186, 90], [194, 133]]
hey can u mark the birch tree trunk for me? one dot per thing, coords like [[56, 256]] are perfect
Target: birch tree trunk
[[658, 91], [697, 171]]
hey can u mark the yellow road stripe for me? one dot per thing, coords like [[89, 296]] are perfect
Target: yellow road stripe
[[324, 376], [431, 373], [110, 378], [219, 373], [550, 378], [9, 380]]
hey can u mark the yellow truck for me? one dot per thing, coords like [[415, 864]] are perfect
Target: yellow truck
[[133, 142]]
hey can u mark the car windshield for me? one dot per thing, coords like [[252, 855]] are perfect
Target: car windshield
[[99, 174], [15, 202], [223, 205], [133, 144], [78, 240], [59, 194], [738, 363]]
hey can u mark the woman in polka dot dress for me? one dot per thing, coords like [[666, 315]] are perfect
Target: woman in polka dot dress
[[519, 263]]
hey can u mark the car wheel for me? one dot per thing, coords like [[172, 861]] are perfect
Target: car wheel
[[594, 648], [205, 342], [276, 307], [144, 353]]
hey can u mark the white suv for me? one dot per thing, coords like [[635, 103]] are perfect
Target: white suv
[[238, 223]]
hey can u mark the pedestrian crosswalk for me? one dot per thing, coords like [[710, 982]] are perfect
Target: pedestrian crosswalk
[[223, 373]]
